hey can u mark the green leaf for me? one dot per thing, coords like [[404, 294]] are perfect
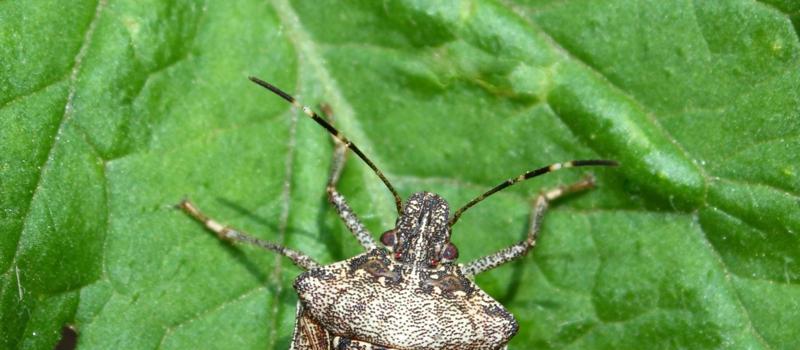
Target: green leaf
[[112, 111]]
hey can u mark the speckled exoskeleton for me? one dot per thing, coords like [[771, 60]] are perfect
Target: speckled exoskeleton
[[409, 292]]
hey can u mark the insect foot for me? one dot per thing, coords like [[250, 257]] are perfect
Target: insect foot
[[406, 291]]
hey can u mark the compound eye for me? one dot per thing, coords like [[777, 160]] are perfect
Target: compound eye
[[389, 238], [450, 252]]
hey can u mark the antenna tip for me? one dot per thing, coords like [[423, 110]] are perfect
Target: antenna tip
[[595, 162], [274, 89], [256, 80]]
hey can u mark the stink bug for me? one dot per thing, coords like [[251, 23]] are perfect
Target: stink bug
[[408, 293]]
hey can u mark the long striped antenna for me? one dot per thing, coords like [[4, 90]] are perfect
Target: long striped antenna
[[333, 131], [529, 175]]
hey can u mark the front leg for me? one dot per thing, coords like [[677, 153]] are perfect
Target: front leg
[[229, 234], [337, 199], [520, 249]]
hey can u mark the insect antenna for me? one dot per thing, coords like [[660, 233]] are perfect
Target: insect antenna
[[333, 131], [528, 175]]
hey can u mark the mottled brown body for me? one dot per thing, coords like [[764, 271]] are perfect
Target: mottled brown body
[[403, 296]]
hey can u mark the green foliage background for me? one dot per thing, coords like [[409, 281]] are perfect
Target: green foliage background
[[112, 111]]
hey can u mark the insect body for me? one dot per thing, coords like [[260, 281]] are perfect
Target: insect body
[[404, 295], [407, 293]]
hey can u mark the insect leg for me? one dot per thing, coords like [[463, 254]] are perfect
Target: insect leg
[[337, 135], [230, 234], [337, 199], [520, 249]]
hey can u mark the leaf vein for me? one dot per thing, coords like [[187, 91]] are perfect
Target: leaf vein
[[65, 117], [727, 273], [169, 330], [32, 92]]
